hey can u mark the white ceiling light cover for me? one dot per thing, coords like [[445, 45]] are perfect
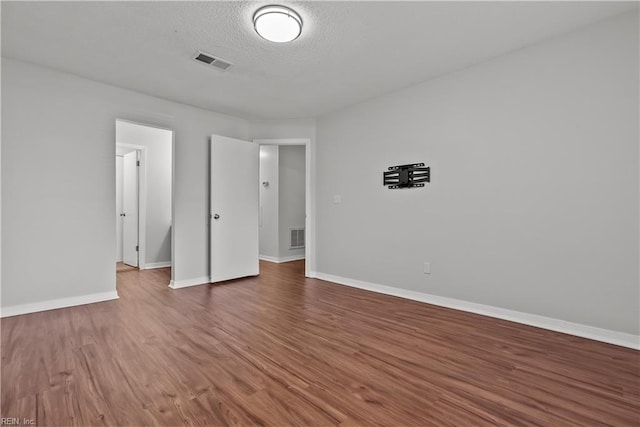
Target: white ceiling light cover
[[278, 24]]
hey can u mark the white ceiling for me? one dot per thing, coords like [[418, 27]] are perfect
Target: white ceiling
[[348, 52]]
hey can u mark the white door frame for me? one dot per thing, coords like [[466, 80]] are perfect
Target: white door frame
[[309, 222], [142, 200], [166, 123]]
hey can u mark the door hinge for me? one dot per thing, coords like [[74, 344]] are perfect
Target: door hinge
[[137, 162], [137, 248]]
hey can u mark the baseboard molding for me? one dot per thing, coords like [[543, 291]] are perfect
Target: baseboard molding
[[292, 258], [281, 259], [584, 331], [152, 265], [177, 284], [53, 304]]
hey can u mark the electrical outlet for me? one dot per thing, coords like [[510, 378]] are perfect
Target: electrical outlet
[[337, 199], [427, 268]]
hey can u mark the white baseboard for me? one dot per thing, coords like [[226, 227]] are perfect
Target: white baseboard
[[292, 258], [584, 331], [53, 304], [177, 284], [281, 259], [152, 265]]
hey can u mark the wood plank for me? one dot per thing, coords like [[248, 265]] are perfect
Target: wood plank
[[280, 349]]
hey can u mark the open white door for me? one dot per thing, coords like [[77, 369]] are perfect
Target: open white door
[[234, 208], [119, 209], [130, 209]]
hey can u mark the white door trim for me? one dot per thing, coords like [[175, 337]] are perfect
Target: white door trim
[[142, 200], [309, 202]]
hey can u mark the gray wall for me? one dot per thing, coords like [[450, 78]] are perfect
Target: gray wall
[[158, 183], [292, 189], [58, 186], [269, 240], [533, 204]]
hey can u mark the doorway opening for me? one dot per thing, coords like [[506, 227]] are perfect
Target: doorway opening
[[143, 196], [284, 201]]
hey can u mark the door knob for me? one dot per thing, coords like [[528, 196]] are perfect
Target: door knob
[[216, 216]]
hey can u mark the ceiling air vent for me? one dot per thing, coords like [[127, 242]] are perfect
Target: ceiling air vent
[[207, 59]]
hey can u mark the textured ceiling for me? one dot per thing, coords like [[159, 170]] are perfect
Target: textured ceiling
[[348, 52]]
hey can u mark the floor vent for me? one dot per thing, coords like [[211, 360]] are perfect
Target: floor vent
[[207, 59], [296, 239]]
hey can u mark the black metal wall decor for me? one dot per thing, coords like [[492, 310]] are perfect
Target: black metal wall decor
[[406, 176]]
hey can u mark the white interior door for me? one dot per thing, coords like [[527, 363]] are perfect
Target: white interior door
[[119, 208], [234, 208], [130, 209]]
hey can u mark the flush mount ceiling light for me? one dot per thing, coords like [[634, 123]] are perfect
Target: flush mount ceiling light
[[277, 23]]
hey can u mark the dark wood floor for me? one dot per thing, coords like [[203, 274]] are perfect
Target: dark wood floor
[[122, 267], [283, 350]]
